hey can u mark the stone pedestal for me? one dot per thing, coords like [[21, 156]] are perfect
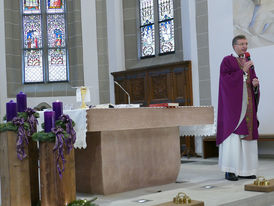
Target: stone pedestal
[[133, 148], [118, 161]]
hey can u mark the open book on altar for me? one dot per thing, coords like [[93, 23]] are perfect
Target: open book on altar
[[168, 105], [116, 106]]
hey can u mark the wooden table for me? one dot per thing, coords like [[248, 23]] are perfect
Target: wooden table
[[133, 148]]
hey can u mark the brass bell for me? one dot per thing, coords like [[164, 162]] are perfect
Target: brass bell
[[175, 200], [261, 181], [181, 198], [267, 183], [188, 200]]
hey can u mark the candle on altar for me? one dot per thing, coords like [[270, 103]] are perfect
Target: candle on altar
[[21, 99], [49, 120], [58, 108], [11, 110]]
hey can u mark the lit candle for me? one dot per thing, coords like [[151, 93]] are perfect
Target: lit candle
[[21, 99], [11, 110], [58, 108], [49, 120]]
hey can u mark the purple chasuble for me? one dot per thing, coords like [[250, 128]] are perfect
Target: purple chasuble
[[230, 100]]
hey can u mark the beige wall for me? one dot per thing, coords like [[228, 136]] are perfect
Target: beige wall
[[102, 47], [203, 52], [3, 79]]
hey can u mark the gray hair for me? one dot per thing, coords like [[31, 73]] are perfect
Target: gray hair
[[236, 38]]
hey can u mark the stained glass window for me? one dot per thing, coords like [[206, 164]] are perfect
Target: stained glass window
[[166, 36], [32, 31], [147, 14], [166, 26], [33, 66], [147, 40], [147, 28], [165, 9], [164, 29], [44, 45], [56, 30], [55, 6], [57, 65], [31, 6]]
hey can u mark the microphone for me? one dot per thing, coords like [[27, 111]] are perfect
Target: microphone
[[247, 55], [124, 91]]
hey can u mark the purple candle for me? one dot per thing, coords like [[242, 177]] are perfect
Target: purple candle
[[11, 110], [21, 99], [58, 108], [49, 120]]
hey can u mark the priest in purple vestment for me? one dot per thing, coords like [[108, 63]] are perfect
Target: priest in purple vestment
[[237, 125]]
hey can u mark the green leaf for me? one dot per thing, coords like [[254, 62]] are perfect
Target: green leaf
[[43, 136], [8, 127], [36, 115], [82, 202], [22, 115]]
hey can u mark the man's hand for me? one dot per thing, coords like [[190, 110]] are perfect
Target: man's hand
[[255, 82], [247, 65]]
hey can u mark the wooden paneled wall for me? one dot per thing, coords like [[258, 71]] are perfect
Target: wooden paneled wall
[[157, 84]]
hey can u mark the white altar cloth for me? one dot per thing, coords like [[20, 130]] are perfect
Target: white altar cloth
[[200, 130], [80, 119]]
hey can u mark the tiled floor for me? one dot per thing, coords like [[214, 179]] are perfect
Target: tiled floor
[[195, 175]]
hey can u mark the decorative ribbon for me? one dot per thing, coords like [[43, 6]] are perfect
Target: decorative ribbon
[[58, 147], [70, 140], [22, 137], [31, 120]]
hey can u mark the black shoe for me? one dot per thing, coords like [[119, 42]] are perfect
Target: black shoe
[[230, 176], [248, 177]]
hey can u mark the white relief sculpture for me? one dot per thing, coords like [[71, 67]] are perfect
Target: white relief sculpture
[[255, 19]]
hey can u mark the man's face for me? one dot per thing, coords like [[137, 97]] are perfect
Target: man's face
[[241, 46]]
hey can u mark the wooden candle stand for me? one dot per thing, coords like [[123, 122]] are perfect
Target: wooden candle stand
[[19, 178], [56, 191]]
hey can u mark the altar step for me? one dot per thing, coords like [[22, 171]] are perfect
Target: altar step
[[202, 180], [266, 199]]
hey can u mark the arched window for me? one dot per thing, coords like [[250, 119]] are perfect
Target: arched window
[[164, 30], [166, 26], [147, 28], [44, 41]]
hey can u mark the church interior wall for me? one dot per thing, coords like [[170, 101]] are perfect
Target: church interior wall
[[202, 50], [221, 29], [3, 77], [189, 39], [115, 33], [14, 58], [132, 38], [102, 47], [90, 50], [83, 62], [105, 40]]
